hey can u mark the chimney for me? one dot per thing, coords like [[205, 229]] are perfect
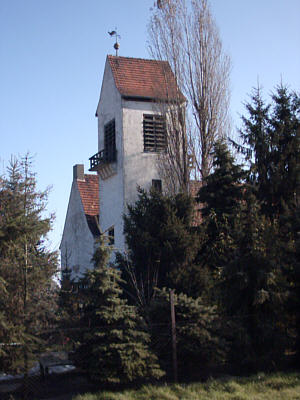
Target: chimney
[[78, 172]]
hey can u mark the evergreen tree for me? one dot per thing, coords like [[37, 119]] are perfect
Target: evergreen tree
[[243, 249], [200, 341], [222, 190], [271, 135], [220, 200], [115, 345], [28, 301], [285, 195], [161, 245], [295, 279], [271, 145], [256, 139], [285, 149], [254, 289], [69, 308], [289, 240]]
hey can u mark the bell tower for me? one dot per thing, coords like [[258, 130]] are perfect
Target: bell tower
[[131, 135]]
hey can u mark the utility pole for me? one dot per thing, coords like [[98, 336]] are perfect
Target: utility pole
[[173, 329]]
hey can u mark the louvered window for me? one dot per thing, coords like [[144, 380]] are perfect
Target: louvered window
[[154, 127]]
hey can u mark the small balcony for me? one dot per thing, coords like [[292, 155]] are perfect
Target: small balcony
[[102, 159]]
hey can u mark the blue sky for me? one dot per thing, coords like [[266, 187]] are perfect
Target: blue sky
[[52, 55]]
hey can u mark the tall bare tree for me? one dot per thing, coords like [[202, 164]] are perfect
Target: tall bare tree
[[184, 33], [173, 161]]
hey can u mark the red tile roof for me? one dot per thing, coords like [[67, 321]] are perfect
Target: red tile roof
[[149, 79], [89, 193]]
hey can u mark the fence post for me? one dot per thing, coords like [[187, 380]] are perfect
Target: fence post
[[173, 328]]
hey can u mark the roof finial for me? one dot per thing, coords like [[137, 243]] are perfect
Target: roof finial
[[116, 45]]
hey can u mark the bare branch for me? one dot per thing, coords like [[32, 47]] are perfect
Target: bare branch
[[184, 33]]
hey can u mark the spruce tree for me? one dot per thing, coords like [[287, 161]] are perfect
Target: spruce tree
[[295, 280], [285, 149], [69, 301], [220, 200], [200, 341], [254, 289], [289, 250], [115, 346], [222, 190], [256, 139], [270, 136], [285, 199], [28, 303]]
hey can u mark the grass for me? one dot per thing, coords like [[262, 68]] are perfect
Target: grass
[[283, 386]]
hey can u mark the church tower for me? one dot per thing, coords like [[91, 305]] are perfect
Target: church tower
[[131, 135]]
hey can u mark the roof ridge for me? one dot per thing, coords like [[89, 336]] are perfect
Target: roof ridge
[[137, 58]]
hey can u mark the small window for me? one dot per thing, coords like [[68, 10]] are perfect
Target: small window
[[154, 129], [111, 236], [110, 141], [156, 185]]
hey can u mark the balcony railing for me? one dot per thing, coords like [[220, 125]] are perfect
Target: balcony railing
[[104, 156]]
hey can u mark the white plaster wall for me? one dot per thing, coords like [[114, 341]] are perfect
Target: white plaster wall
[[111, 190], [77, 245], [139, 167], [134, 167]]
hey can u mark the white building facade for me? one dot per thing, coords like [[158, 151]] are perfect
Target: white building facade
[[81, 229]]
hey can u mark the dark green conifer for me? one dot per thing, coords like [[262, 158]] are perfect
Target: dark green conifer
[[285, 149], [220, 200], [161, 245], [28, 303], [253, 289], [114, 345], [200, 342], [271, 139], [222, 190]]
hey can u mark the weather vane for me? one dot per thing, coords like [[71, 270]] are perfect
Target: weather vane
[[116, 45]]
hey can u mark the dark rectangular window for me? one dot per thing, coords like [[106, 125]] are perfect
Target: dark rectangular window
[[156, 185], [111, 236], [110, 141], [154, 128]]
